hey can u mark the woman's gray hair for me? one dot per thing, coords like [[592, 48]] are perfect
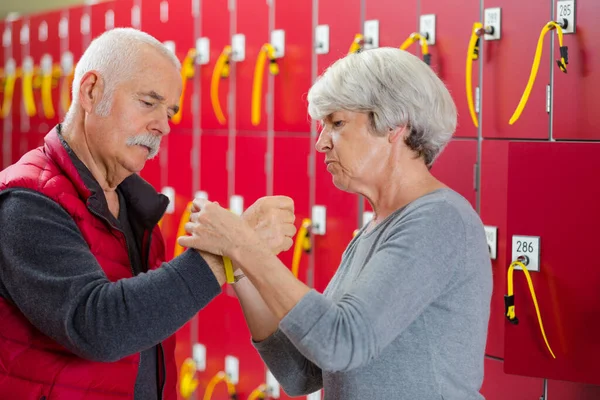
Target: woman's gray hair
[[396, 89], [115, 55]]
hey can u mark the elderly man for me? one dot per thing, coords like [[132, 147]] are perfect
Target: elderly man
[[88, 305]]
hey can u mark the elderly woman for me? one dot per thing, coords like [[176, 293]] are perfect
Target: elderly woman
[[406, 314]]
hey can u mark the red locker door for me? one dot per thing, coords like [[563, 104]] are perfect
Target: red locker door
[[215, 141], [45, 49], [455, 167], [550, 197], [454, 22], [575, 113], [20, 119], [569, 390], [294, 79], [251, 141], [500, 386], [341, 207], [292, 142], [5, 134], [396, 22], [494, 186], [111, 14], [506, 70]]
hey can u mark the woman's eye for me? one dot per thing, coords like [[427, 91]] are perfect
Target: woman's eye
[[147, 104], [337, 124]]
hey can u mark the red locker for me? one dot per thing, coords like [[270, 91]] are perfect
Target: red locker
[[494, 186], [550, 197], [456, 167], [500, 386], [45, 50], [5, 128], [251, 141], [173, 23], [395, 23], [341, 207], [506, 69], [291, 178], [454, 22], [253, 22], [569, 390], [575, 108], [19, 143], [214, 142], [294, 79], [79, 39], [111, 14]]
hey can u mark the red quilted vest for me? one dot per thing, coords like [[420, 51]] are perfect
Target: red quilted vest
[[33, 366]]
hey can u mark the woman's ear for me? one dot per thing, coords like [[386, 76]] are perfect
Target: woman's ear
[[398, 133]]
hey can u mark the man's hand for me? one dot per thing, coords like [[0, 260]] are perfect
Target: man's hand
[[272, 218]]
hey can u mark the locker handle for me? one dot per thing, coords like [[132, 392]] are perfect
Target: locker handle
[[267, 50], [221, 70], [259, 393], [49, 80], [187, 72], [188, 383], [509, 300], [562, 64], [8, 85], [303, 243], [422, 39], [27, 90], [472, 55], [218, 378], [185, 217], [357, 44]]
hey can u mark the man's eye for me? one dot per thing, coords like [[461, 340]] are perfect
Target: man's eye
[[147, 104], [337, 124]]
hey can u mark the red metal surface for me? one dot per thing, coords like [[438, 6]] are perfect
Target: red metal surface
[[575, 107], [494, 186], [40, 45], [215, 26], [454, 22], [395, 23], [550, 197], [507, 64], [4, 30], [575, 391], [294, 79], [455, 167], [253, 22], [78, 42], [500, 386], [15, 111], [290, 178], [104, 14], [342, 207], [176, 25]]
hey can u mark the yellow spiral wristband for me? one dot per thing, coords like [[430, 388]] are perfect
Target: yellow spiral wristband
[[228, 269]]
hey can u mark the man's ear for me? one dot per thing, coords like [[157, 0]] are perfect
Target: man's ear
[[90, 90], [398, 133]]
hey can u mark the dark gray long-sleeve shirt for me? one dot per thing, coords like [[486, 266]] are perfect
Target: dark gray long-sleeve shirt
[[405, 317], [49, 273]]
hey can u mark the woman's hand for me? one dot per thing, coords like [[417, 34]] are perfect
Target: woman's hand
[[216, 230]]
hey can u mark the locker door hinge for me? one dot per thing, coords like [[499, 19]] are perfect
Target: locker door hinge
[[548, 92], [475, 177]]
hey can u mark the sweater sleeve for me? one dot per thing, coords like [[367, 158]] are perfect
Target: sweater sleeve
[[48, 272]]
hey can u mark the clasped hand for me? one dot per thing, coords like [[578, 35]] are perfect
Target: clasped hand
[[268, 222]]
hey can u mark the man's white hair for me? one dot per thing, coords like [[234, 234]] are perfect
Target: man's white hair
[[115, 55], [396, 89]]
